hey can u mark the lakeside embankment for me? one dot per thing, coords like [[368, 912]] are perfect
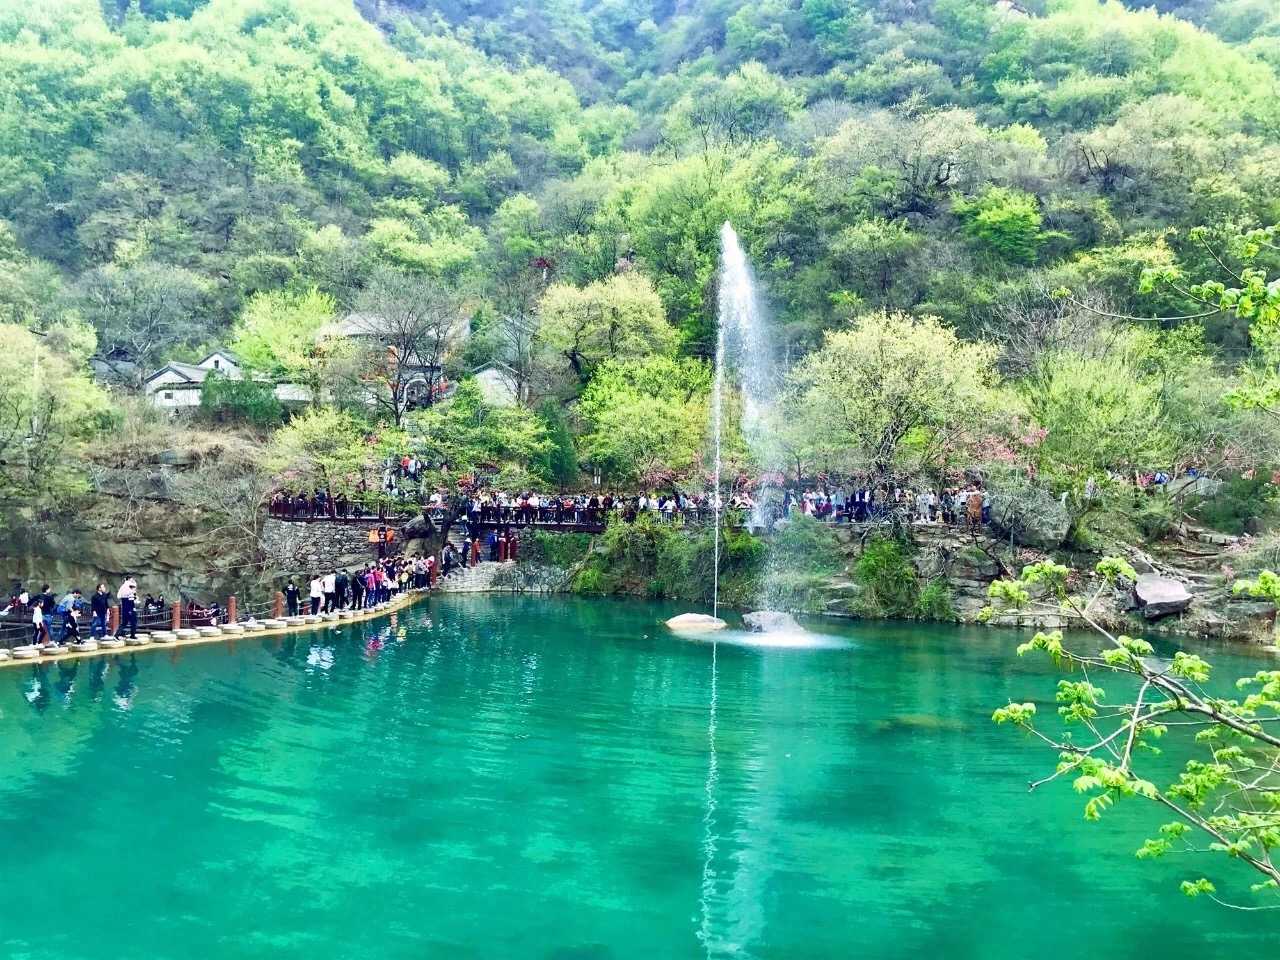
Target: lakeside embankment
[[934, 572]]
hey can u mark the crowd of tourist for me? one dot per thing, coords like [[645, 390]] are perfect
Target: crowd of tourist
[[967, 504], [375, 583], [47, 612]]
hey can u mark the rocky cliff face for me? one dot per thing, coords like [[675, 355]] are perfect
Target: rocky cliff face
[[171, 548]]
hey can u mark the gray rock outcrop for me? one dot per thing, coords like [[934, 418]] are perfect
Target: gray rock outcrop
[[1158, 596]]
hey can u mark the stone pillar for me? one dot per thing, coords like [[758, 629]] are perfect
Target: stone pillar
[[277, 606], [231, 609], [176, 615]]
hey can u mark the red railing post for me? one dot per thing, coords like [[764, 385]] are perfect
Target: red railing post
[[277, 606], [231, 609], [176, 615], [113, 620], [513, 548]]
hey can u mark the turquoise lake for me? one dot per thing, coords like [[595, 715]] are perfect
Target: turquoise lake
[[520, 777]]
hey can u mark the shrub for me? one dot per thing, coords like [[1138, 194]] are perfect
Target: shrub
[[806, 544], [1238, 501], [1156, 517], [885, 570], [592, 579], [562, 550], [223, 400], [934, 602]]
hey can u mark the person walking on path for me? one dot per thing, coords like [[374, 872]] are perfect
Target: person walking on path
[[330, 586], [317, 593], [291, 594], [99, 605], [128, 597], [69, 606]]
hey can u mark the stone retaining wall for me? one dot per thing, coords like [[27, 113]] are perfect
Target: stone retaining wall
[[301, 549]]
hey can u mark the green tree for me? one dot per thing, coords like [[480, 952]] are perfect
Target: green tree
[[617, 318], [465, 434], [646, 419], [251, 402], [327, 448], [49, 409], [1005, 222], [279, 334], [143, 311], [559, 465], [888, 379]]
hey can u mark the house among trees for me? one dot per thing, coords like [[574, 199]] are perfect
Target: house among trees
[[177, 386], [497, 383]]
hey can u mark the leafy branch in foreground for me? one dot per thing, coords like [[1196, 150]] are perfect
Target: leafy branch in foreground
[[1226, 797]]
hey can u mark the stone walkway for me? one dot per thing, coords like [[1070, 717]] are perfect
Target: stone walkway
[[477, 579], [170, 640]]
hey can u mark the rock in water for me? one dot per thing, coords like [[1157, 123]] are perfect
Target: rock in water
[[695, 621], [1159, 596], [770, 621]]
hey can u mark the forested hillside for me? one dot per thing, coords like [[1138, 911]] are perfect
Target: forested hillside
[[1083, 186]]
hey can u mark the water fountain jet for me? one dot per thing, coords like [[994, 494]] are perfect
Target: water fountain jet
[[741, 333]]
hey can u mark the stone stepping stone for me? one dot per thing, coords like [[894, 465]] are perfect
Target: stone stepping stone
[[233, 629], [141, 640], [164, 636], [25, 653], [209, 631], [274, 624], [255, 626], [54, 650], [312, 618], [345, 614], [186, 633], [4, 655], [110, 643], [85, 646]]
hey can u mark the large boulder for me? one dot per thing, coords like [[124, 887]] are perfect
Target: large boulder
[[695, 623], [1026, 512], [419, 526], [1158, 596], [770, 621]]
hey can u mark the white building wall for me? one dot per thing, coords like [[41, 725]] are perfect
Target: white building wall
[[495, 388]]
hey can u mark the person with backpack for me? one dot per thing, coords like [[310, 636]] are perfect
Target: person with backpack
[[69, 608]]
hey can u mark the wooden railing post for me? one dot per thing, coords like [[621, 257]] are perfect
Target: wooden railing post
[[277, 606], [231, 609], [113, 620], [176, 615]]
